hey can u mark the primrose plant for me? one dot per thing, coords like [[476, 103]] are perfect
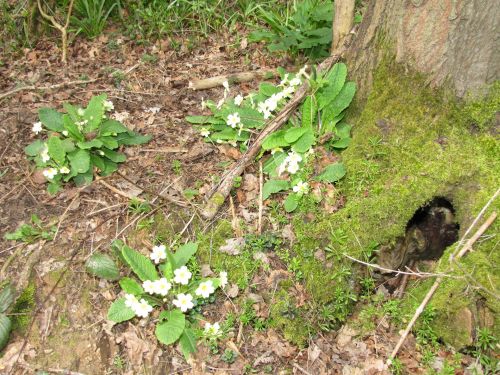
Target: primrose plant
[[166, 282], [79, 142]]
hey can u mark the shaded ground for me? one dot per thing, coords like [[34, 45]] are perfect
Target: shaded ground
[[149, 87]]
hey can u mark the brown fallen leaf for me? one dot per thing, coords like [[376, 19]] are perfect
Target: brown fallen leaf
[[233, 246]]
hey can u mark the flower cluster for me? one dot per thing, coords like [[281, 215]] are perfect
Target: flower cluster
[[301, 188], [140, 307], [290, 164]]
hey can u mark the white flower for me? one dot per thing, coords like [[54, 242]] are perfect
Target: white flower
[[204, 132], [226, 85], [37, 127], [271, 103], [80, 111], [267, 114], [220, 103], [212, 329], [295, 82], [162, 286], [142, 308], [184, 302], [205, 289], [233, 119], [301, 188], [182, 275], [294, 157], [131, 301], [284, 81], [64, 170], [149, 286], [288, 92], [223, 279], [302, 72], [293, 168], [311, 151], [108, 105], [65, 133], [44, 154], [233, 143], [159, 253], [50, 173], [238, 100], [262, 107]]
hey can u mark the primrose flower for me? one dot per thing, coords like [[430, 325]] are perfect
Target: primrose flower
[[149, 287], [223, 279], [293, 168], [64, 170], [226, 85], [131, 301], [184, 302], [302, 72], [143, 308], [288, 91], [182, 275], [220, 103], [162, 286], [301, 188], [204, 132], [284, 81], [212, 330], [37, 127], [233, 119], [271, 103], [80, 111], [108, 105], [295, 82], [294, 157], [159, 253], [238, 100], [50, 173], [65, 133], [44, 154], [205, 289]]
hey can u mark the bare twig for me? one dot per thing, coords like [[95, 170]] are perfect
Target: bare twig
[[33, 87], [261, 203], [437, 283], [219, 196], [208, 83], [300, 369]]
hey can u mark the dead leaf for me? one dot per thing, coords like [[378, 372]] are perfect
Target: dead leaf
[[233, 246], [288, 234], [250, 182], [233, 291], [11, 356], [206, 270], [230, 152], [313, 353], [136, 347]]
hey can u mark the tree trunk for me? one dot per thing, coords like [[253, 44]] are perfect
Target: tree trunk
[[451, 41]]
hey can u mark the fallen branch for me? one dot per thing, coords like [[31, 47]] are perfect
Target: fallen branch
[[208, 83], [218, 198], [33, 87], [437, 283]]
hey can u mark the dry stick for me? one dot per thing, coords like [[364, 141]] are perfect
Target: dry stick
[[58, 26], [436, 284], [261, 203], [217, 199], [208, 83], [33, 87]]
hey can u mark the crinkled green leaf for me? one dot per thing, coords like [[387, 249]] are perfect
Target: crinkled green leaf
[[291, 202], [332, 173], [89, 144], [6, 297], [343, 130], [293, 134], [79, 161], [188, 342], [119, 312], [271, 165], [342, 143], [109, 167], [141, 265], [268, 89], [305, 142], [309, 109], [336, 79], [117, 157], [56, 150], [51, 119], [171, 329], [344, 98], [131, 286], [198, 119], [184, 253], [72, 128], [274, 186], [275, 140], [35, 148], [131, 139], [109, 142], [112, 127], [53, 188], [67, 145], [166, 270], [84, 178], [101, 265], [94, 112], [5, 327]]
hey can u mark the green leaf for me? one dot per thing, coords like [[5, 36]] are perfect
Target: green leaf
[[304, 143], [72, 112], [67, 145], [342, 143], [56, 150], [274, 186], [332, 173], [109, 142], [119, 312], [184, 253], [131, 139], [109, 167], [6, 297], [5, 327], [309, 109], [343, 130], [94, 112], [268, 89], [53, 188], [271, 165], [293, 134], [51, 119], [89, 144], [35, 148], [336, 79], [72, 128], [117, 157], [131, 286], [112, 127], [188, 342], [198, 119], [97, 161], [344, 98], [170, 331], [141, 265], [292, 202], [101, 265], [84, 178], [79, 161], [166, 270], [275, 140]]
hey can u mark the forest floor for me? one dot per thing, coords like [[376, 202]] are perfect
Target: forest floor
[[149, 89]]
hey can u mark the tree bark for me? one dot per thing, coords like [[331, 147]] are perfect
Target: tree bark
[[451, 41]]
